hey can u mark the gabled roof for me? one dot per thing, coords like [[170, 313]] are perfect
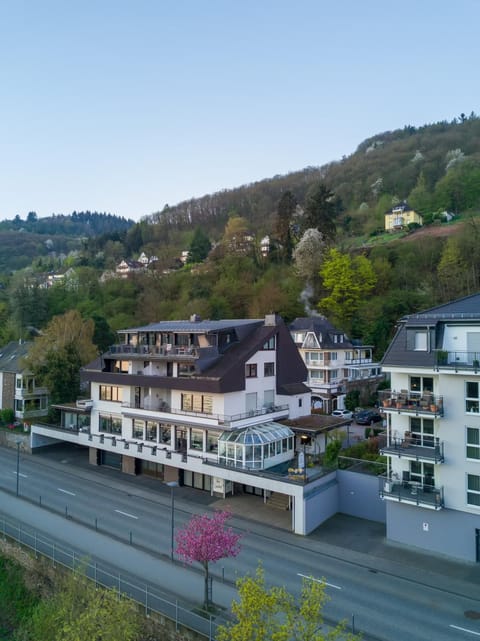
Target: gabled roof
[[12, 355], [323, 330]]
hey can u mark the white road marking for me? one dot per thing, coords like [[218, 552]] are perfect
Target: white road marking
[[24, 476], [132, 516], [65, 491], [456, 627], [310, 578]]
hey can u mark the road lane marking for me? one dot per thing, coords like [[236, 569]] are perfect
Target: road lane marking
[[456, 627], [65, 491], [24, 476], [132, 516], [310, 578]]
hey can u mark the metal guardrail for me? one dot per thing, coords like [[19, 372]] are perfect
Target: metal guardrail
[[142, 594]]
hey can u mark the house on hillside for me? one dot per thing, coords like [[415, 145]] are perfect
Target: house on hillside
[[18, 388], [400, 216], [432, 488], [335, 364]]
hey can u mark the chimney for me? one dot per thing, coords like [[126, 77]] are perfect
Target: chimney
[[270, 320], [195, 318]]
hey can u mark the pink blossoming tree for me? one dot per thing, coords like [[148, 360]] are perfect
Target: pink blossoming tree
[[206, 539]]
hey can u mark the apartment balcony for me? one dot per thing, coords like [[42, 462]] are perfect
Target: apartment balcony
[[457, 361], [424, 495], [414, 403], [415, 447], [165, 351], [223, 421], [30, 392]]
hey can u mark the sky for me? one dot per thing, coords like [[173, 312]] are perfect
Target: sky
[[124, 106]]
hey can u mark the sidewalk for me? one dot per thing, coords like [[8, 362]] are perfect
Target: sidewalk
[[345, 537]]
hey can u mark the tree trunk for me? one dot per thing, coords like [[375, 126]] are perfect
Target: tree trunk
[[205, 590]]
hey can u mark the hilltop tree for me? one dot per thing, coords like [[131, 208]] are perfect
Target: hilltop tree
[[285, 211], [199, 247], [264, 613], [320, 211], [206, 539], [308, 254]]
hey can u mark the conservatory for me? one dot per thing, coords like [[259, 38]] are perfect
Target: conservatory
[[257, 447]]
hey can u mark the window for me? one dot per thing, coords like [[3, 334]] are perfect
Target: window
[[110, 393], [473, 490], [334, 356], [196, 439], [109, 424], [269, 369], [138, 429], [422, 430], [251, 370], [269, 398], [334, 374], [152, 431], [316, 374], [421, 384], [197, 403], [314, 357], [165, 433], [472, 397], [212, 442], [421, 472], [186, 369], [421, 341], [473, 442], [270, 344]]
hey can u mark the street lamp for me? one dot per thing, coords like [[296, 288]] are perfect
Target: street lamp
[[304, 439], [172, 485], [18, 443]]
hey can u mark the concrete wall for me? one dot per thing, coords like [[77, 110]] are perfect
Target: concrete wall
[[9, 439], [358, 496], [321, 503], [448, 532]]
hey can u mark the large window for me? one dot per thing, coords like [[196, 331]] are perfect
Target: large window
[[152, 432], [473, 489], [138, 429], [421, 472], [197, 403], [212, 441], [196, 439], [472, 398], [422, 430], [109, 424], [110, 393], [421, 384], [313, 358], [473, 442], [165, 433]]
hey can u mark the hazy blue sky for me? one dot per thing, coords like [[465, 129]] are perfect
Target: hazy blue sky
[[124, 106]]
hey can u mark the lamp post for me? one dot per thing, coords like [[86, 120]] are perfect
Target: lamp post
[[18, 443], [172, 485], [304, 439]]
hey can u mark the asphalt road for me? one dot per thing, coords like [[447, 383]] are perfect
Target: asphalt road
[[385, 606]]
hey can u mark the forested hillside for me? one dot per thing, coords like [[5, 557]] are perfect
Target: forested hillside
[[326, 250]]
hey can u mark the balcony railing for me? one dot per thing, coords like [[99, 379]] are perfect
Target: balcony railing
[[411, 402], [152, 350], [424, 495], [225, 420], [458, 360], [418, 447]]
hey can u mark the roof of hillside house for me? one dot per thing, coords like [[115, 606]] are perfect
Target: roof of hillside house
[[323, 330], [400, 207], [464, 310], [12, 355]]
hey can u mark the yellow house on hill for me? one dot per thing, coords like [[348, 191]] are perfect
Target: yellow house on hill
[[401, 216]]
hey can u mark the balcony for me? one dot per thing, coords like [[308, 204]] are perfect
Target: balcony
[[406, 402], [415, 447], [457, 361], [424, 495], [224, 421], [165, 351]]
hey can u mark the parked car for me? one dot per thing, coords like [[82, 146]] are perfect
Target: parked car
[[342, 413], [368, 417]]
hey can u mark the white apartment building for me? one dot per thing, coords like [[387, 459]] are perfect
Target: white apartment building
[[432, 489], [199, 403], [335, 364]]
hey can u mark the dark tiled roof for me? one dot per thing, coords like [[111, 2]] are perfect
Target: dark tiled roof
[[193, 327], [321, 327], [12, 355]]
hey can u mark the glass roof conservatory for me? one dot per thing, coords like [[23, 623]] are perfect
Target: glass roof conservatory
[[257, 447]]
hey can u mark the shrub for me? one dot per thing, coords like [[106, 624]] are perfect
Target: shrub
[[7, 415]]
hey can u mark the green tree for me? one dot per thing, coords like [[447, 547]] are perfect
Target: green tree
[[320, 210], [420, 198], [58, 353], [348, 281], [452, 270], [78, 611], [199, 247], [283, 230], [264, 613]]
